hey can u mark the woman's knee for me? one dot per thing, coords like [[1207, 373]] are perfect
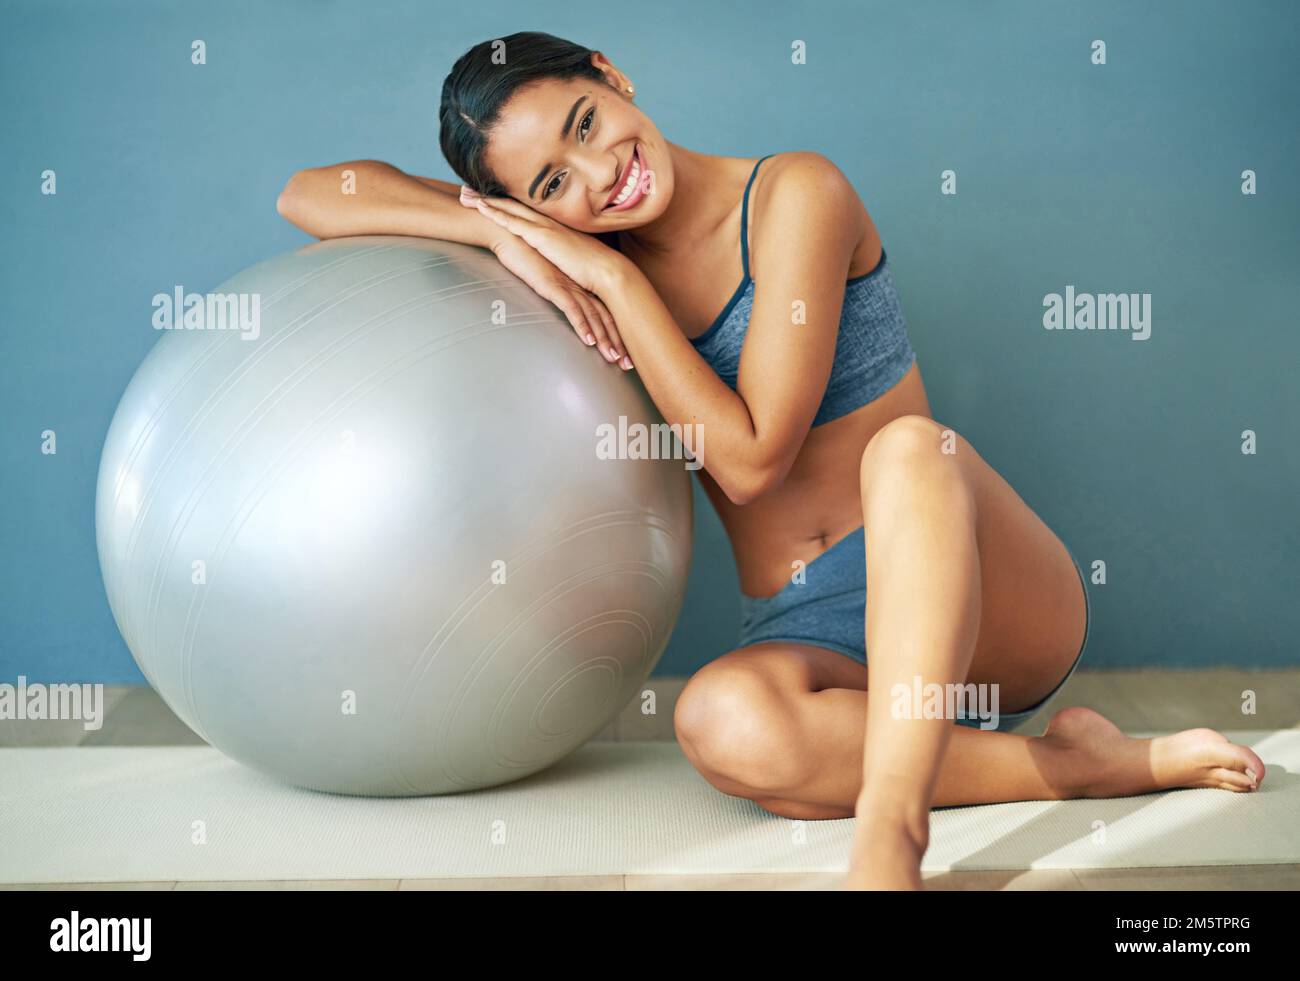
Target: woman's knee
[[736, 724], [906, 439], [911, 449]]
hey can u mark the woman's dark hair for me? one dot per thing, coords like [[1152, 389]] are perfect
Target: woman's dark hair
[[483, 80]]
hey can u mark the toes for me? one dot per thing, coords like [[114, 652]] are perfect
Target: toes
[[1244, 761], [1256, 764], [1231, 779]]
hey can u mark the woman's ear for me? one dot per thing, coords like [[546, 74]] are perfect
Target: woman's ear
[[615, 78]]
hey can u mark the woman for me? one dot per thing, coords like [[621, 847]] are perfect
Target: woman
[[821, 457]]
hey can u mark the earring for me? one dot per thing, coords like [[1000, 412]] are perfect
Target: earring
[[629, 90]]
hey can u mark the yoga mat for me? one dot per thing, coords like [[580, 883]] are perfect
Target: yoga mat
[[110, 814]]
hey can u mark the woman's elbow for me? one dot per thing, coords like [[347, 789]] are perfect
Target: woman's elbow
[[749, 485], [287, 203]]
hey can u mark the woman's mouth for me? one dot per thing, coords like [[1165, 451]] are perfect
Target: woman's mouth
[[634, 185]]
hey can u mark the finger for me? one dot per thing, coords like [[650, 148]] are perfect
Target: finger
[[616, 339], [571, 309], [512, 207], [531, 232], [611, 329], [603, 342], [597, 326], [607, 318], [509, 222], [469, 197]]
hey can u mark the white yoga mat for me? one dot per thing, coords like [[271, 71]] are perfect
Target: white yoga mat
[[139, 814]]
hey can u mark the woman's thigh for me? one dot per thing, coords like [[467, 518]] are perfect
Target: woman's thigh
[[1032, 619], [1033, 611], [741, 717], [756, 682], [800, 667]]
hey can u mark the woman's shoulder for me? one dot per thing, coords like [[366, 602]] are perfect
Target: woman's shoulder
[[801, 171], [798, 179], [801, 186]]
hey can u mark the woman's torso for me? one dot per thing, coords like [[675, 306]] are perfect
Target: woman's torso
[[819, 501]]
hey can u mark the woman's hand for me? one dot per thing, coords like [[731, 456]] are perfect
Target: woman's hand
[[581, 258], [592, 322]]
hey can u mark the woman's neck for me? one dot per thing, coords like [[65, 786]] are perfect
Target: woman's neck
[[698, 206]]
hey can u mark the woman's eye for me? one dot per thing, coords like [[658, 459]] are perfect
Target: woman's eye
[[584, 127]]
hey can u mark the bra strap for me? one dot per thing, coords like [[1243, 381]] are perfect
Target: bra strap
[[744, 219]]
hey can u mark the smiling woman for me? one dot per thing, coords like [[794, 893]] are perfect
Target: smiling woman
[[603, 150], [474, 104], [756, 301]]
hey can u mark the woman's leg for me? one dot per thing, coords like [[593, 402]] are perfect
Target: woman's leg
[[923, 621], [784, 724], [965, 584], [787, 725]]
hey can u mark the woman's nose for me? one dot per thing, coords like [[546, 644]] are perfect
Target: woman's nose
[[599, 172]]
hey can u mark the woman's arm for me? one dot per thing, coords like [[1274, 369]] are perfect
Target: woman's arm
[[808, 222], [386, 202], [389, 202]]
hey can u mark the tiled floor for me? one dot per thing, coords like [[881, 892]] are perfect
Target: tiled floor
[[1136, 701]]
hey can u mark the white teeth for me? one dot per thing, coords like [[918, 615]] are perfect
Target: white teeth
[[632, 178]]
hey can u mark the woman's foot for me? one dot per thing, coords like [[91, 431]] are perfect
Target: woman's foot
[[1108, 763], [1101, 762]]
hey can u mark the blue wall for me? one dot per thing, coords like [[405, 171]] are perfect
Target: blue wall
[[1123, 177]]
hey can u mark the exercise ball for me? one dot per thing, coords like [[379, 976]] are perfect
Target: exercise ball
[[359, 534]]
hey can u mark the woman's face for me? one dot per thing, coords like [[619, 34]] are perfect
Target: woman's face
[[580, 152]]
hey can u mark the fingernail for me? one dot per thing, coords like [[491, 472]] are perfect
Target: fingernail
[[588, 340], [627, 363]]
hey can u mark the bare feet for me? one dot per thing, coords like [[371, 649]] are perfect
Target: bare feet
[[1102, 761], [1110, 764]]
